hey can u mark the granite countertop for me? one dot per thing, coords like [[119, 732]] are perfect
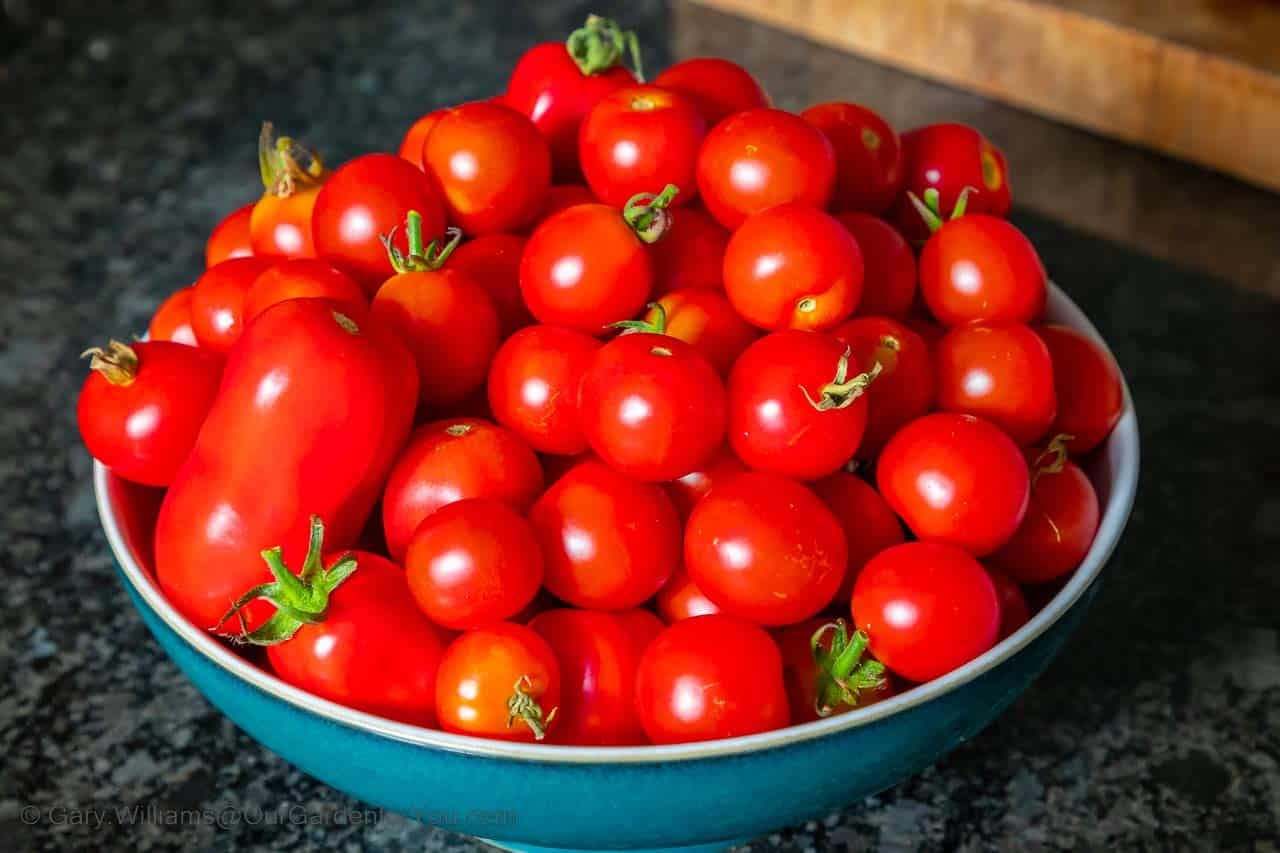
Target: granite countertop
[[128, 131]]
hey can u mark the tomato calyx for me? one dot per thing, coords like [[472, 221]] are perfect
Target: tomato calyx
[[301, 599], [286, 165], [647, 213], [842, 390], [523, 706], [600, 44], [930, 209], [656, 326], [842, 673], [118, 363], [428, 258]]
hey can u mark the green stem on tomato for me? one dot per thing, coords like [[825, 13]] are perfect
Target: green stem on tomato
[[421, 258], [842, 673], [842, 390], [657, 326], [647, 214], [600, 44]]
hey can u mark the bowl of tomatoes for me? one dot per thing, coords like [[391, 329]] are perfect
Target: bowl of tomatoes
[[621, 465]]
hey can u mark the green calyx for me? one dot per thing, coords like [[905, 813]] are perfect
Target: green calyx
[[648, 214], [656, 326], [421, 258], [930, 208], [842, 390], [301, 599], [600, 44], [523, 706], [286, 165], [842, 673]]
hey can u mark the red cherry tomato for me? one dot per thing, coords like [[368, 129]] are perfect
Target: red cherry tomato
[[846, 679], [472, 562], [564, 196], [450, 460], [493, 262], [533, 386], [904, 389], [889, 265], [793, 267], [610, 542], [367, 198], [1060, 524], [1014, 612], [585, 268], [172, 320], [142, 406], [717, 87], [291, 176], [217, 302], [761, 158], [927, 607], [299, 278], [639, 139], [795, 406], [710, 677], [501, 681], [686, 491], [492, 166], [955, 479], [948, 158], [691, 254], [230, 237], [599, 654], [981, 269], [312, 408], [1000, 373], [1089, 387], [415, 138], [706, 321], [869, 167], [869, 524], [652, 406], [765, 548], [680, 598]]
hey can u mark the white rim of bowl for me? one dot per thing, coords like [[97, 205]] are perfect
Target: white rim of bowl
[[1115, 516]]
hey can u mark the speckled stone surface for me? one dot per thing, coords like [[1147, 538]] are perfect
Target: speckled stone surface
[[125, 134]]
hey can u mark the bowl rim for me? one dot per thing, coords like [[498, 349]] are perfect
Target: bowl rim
[[1115, 515]]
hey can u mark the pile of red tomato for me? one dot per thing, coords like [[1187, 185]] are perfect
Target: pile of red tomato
[[615, 412]]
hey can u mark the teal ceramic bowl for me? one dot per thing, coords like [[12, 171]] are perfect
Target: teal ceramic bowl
[[702, 795]]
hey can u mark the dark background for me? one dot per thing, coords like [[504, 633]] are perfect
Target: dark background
[[128, 130]]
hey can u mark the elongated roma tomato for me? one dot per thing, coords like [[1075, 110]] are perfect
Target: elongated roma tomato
[[311, 411], [717, 87], [291, 178], [230, 237], [172, 320]]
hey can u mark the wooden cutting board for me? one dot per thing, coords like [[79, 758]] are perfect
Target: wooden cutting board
[[1197, 79]]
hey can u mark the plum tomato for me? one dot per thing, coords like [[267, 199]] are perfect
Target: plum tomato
[[795, 407], [291, 178], [1089, 388], [903, 391], [449, 460], [501, 681], [869, 167], [680, 598], [533, 386], [761, 158], [710, 677], [610, 542], [143, 404], [706, 321], [981, 269], [889, 265], [691, 254], [1001, 373], [869, 524], [639, 138], [825, 670], [955, 479], [472, 562], [303, 278], [599, 654], [927, 607], [947, 158], [364, 200], [172, 320], [564, 196], [1061, 520], [1014, 612], [557, 84], [651, 406], [415, 138], [492, 166], [793, 267], [717, 87], [493, 262], [686, 491], [217, 302], [230, 237], [765, 548]]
